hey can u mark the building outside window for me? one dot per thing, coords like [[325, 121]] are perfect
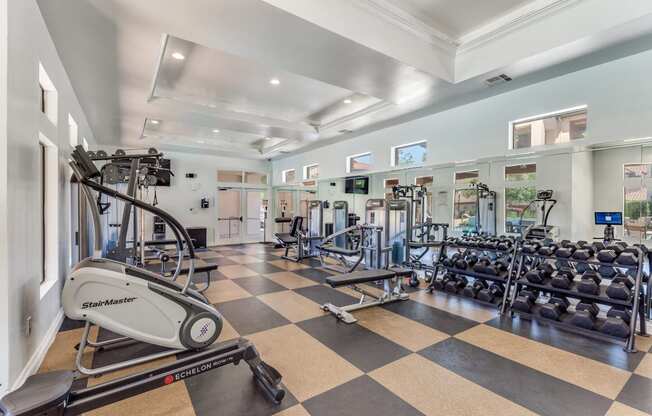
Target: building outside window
[[409, 154], [465, 209], [520, 190], [554, 128], [358, 163], [637, 201]]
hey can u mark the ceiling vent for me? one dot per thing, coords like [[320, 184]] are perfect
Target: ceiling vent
[[345, 131], [498, 79]]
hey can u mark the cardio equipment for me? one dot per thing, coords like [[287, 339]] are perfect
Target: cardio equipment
[[140, 306], [541, 231]]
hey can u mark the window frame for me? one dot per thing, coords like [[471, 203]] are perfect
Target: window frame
[[350, 158], [306, 171], [564, 112], [395, 149], [509, 184], [284, 176], [50, 213]]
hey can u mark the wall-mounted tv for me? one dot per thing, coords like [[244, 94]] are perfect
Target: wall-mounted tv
[[357, 185]]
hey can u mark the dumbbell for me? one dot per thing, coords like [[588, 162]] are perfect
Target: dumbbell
[[620, 287], [548, 250], [456, 284], [481, 265], [627, 258], [535, 276], [471, 290], [556, 306], [590, 282], [565, 252], [504, 245], [597, 246], [607, 272], [525, 301], [620, 312], [563, 279], [585, 315], [584, 253], [440, 283], [461, 264], [471, 259], [495, 290], [531, 248], [607, 255], [617, 246], [502, 264], [617, 323]]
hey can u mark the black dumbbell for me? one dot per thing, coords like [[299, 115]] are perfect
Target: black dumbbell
[[548, 250], [563, 279], [531, 248], [607, 255], [620, 312], [495, 291], [555, 308], [471, 290], [471, 259], [627, 258], [620, 287], [565, 252], [590, 282], [583, 253], [524, 301], [461, 264], [481, 265], [585, 315], [607, 272], [456, 284], [440, 283], [502, 264], [597, 246], [615, 247], [616, 327], [535, 276]]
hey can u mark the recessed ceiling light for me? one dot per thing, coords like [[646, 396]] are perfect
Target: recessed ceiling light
[[154, 121], [179, 56], [274, 81], [347, 101], [268, 138], [201, 141], [216, 131]]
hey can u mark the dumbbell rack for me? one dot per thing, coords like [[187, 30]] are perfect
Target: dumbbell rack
[[475, 275], [635, 304]]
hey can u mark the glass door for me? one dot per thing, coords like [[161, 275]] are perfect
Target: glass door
[[256, 205], [229, 220], [284, 209]]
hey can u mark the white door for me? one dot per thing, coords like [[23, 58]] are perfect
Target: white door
[[255, 215], [229, 216]]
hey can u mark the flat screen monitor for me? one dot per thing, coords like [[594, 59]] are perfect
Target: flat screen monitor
[[608, 218], [357, 185]]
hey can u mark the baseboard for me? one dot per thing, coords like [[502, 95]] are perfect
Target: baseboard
[[37, 358]]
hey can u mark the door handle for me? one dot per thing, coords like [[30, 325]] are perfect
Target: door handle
[[240, 218]]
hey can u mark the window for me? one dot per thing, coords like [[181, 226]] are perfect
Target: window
[[466, 178], [73, 132], [85, 143], [48, 200], [409, 154], [309, 183], [424, 181], [48, 96], [559, 127], [358, 163], [520, 190], [389, 184], [255, 178], [637, 201], [311, 171], [289, 176], [230, 176]]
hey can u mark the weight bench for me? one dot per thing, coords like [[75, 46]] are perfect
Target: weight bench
[[392, 291], [340, 254]]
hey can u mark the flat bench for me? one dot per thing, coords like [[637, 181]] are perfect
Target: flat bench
[[201, 269], [392, 291]]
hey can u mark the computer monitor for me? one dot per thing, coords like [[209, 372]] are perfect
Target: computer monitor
[[608, 218]]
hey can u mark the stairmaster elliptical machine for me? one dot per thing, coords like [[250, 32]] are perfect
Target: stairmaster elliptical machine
[[141, 306], [543, 230]]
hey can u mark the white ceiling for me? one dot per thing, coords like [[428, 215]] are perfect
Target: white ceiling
[[388, 57]]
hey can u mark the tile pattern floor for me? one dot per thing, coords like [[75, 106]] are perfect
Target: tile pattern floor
[[432, 355]]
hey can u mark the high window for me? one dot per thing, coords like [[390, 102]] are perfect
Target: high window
[[409, 154], [48, 208], [311, 171], [358, 163], [553, 128], [73, 132], [520, 190], [48, 96], [289, 176]]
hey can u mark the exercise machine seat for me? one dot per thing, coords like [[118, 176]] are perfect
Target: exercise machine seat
[[401, 271], [361, 276], [286, 238], [338, 250], [38, 394]]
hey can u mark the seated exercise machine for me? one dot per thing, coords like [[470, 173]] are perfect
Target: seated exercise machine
[[140, 306], [304, 243]]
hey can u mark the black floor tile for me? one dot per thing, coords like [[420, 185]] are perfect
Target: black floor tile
[[267, 256], [250, 315], [362, 396], [637, 393], [323, 294], [264, 268], [432, 317], [603, 351], [316, 275], [232, 253], [220, 261], [361, 347], [118, 353], [232, 390], [539, 392], [312, 262], [69, 324], [258, 285]]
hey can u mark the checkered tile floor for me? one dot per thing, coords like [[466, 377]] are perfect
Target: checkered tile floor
[[433, 355]]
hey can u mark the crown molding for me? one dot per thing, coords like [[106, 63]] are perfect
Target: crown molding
[[512, 21]]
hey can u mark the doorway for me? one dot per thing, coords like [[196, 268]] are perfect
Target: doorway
[[241, 215]]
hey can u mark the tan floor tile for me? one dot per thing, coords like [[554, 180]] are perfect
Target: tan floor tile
[[288, 265], [205, 254], [172, 399], [308, 367], [228, 332], [581, 371], [290, 280], [292, 306], [440, 391], [644, 343], [619, 409], [455, 305], [403, 331], [224, 291], [296, 410], [62, 352], [235, 271], [645, 366], [245, 259]]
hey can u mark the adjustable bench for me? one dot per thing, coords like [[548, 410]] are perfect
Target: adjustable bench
[[391, 284]]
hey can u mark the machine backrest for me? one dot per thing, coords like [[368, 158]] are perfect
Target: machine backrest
[[295, 225]]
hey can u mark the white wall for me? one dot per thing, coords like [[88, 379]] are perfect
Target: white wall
[[582, 196], [20, 297], [618, 95]]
